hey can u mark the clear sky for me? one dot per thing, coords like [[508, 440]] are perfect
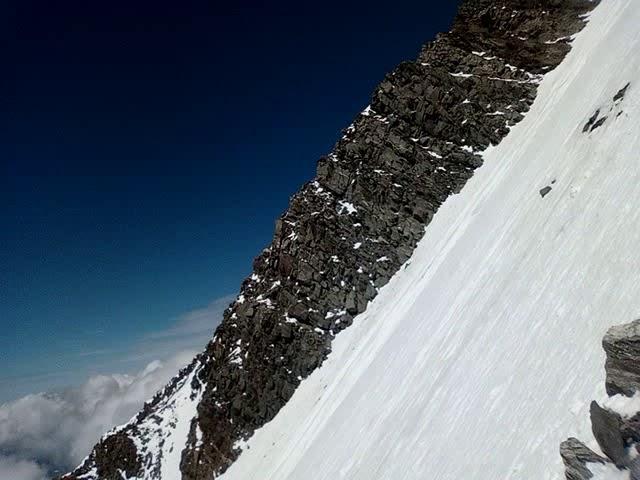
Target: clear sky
[[146, 151]]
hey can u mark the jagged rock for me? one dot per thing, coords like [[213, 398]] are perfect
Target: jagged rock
[[599, 123], [589, 125], [545, 191], [630, 429], [349, 230], [114, 456], [596, 121], [605, 425], [575, 456], [622, 345], [117, 453], [618, 97], [616, 435]]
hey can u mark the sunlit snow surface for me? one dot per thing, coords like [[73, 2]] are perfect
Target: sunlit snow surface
[[608, 472], [482, 355], [163, 436]]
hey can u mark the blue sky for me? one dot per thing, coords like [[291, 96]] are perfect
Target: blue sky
[[146, 152]]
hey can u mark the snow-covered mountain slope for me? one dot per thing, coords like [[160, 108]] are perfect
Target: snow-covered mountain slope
[[482, 354], [472, 356]]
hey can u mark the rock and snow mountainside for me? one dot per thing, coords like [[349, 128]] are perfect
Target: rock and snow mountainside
[[616, 424], [480, 353]]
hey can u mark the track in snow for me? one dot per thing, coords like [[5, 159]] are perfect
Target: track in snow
[[483, 354]]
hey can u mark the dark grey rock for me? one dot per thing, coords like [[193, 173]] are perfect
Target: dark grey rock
[[592, 120], [621, 93], [595, 121], [576, 456], [599, 123], [545, 191], [606, 430], [616, 435], [622, 367], [630, 429]]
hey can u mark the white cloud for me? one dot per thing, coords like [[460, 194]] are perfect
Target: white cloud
[[14, 469], [190, 331], [194, 327], [49, 433], [56, 431], [197, 323]]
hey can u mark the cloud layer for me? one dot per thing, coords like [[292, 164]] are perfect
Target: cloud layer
[[44, 433], [12, 468], [190, 331], [49, 433]]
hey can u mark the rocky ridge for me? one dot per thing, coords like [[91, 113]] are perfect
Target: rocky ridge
[[616, 425], [346, 233]]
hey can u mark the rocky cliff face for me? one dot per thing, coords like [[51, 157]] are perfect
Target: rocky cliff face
[[616, 427], [345, 234]]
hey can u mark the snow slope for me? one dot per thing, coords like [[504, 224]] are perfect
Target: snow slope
[[483, 353], [163, 436]]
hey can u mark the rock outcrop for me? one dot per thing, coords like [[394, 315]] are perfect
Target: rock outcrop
[[617, 434], [605, 426], [622, 345], [349, 230], [576, 456]]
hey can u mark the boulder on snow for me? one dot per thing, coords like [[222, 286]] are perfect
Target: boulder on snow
[[576, 456], [613, 432], [545, 191], [621, 93], [622, 345], [605, 425]]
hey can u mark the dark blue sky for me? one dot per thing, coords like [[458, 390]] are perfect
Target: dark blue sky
[[147, 148]]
